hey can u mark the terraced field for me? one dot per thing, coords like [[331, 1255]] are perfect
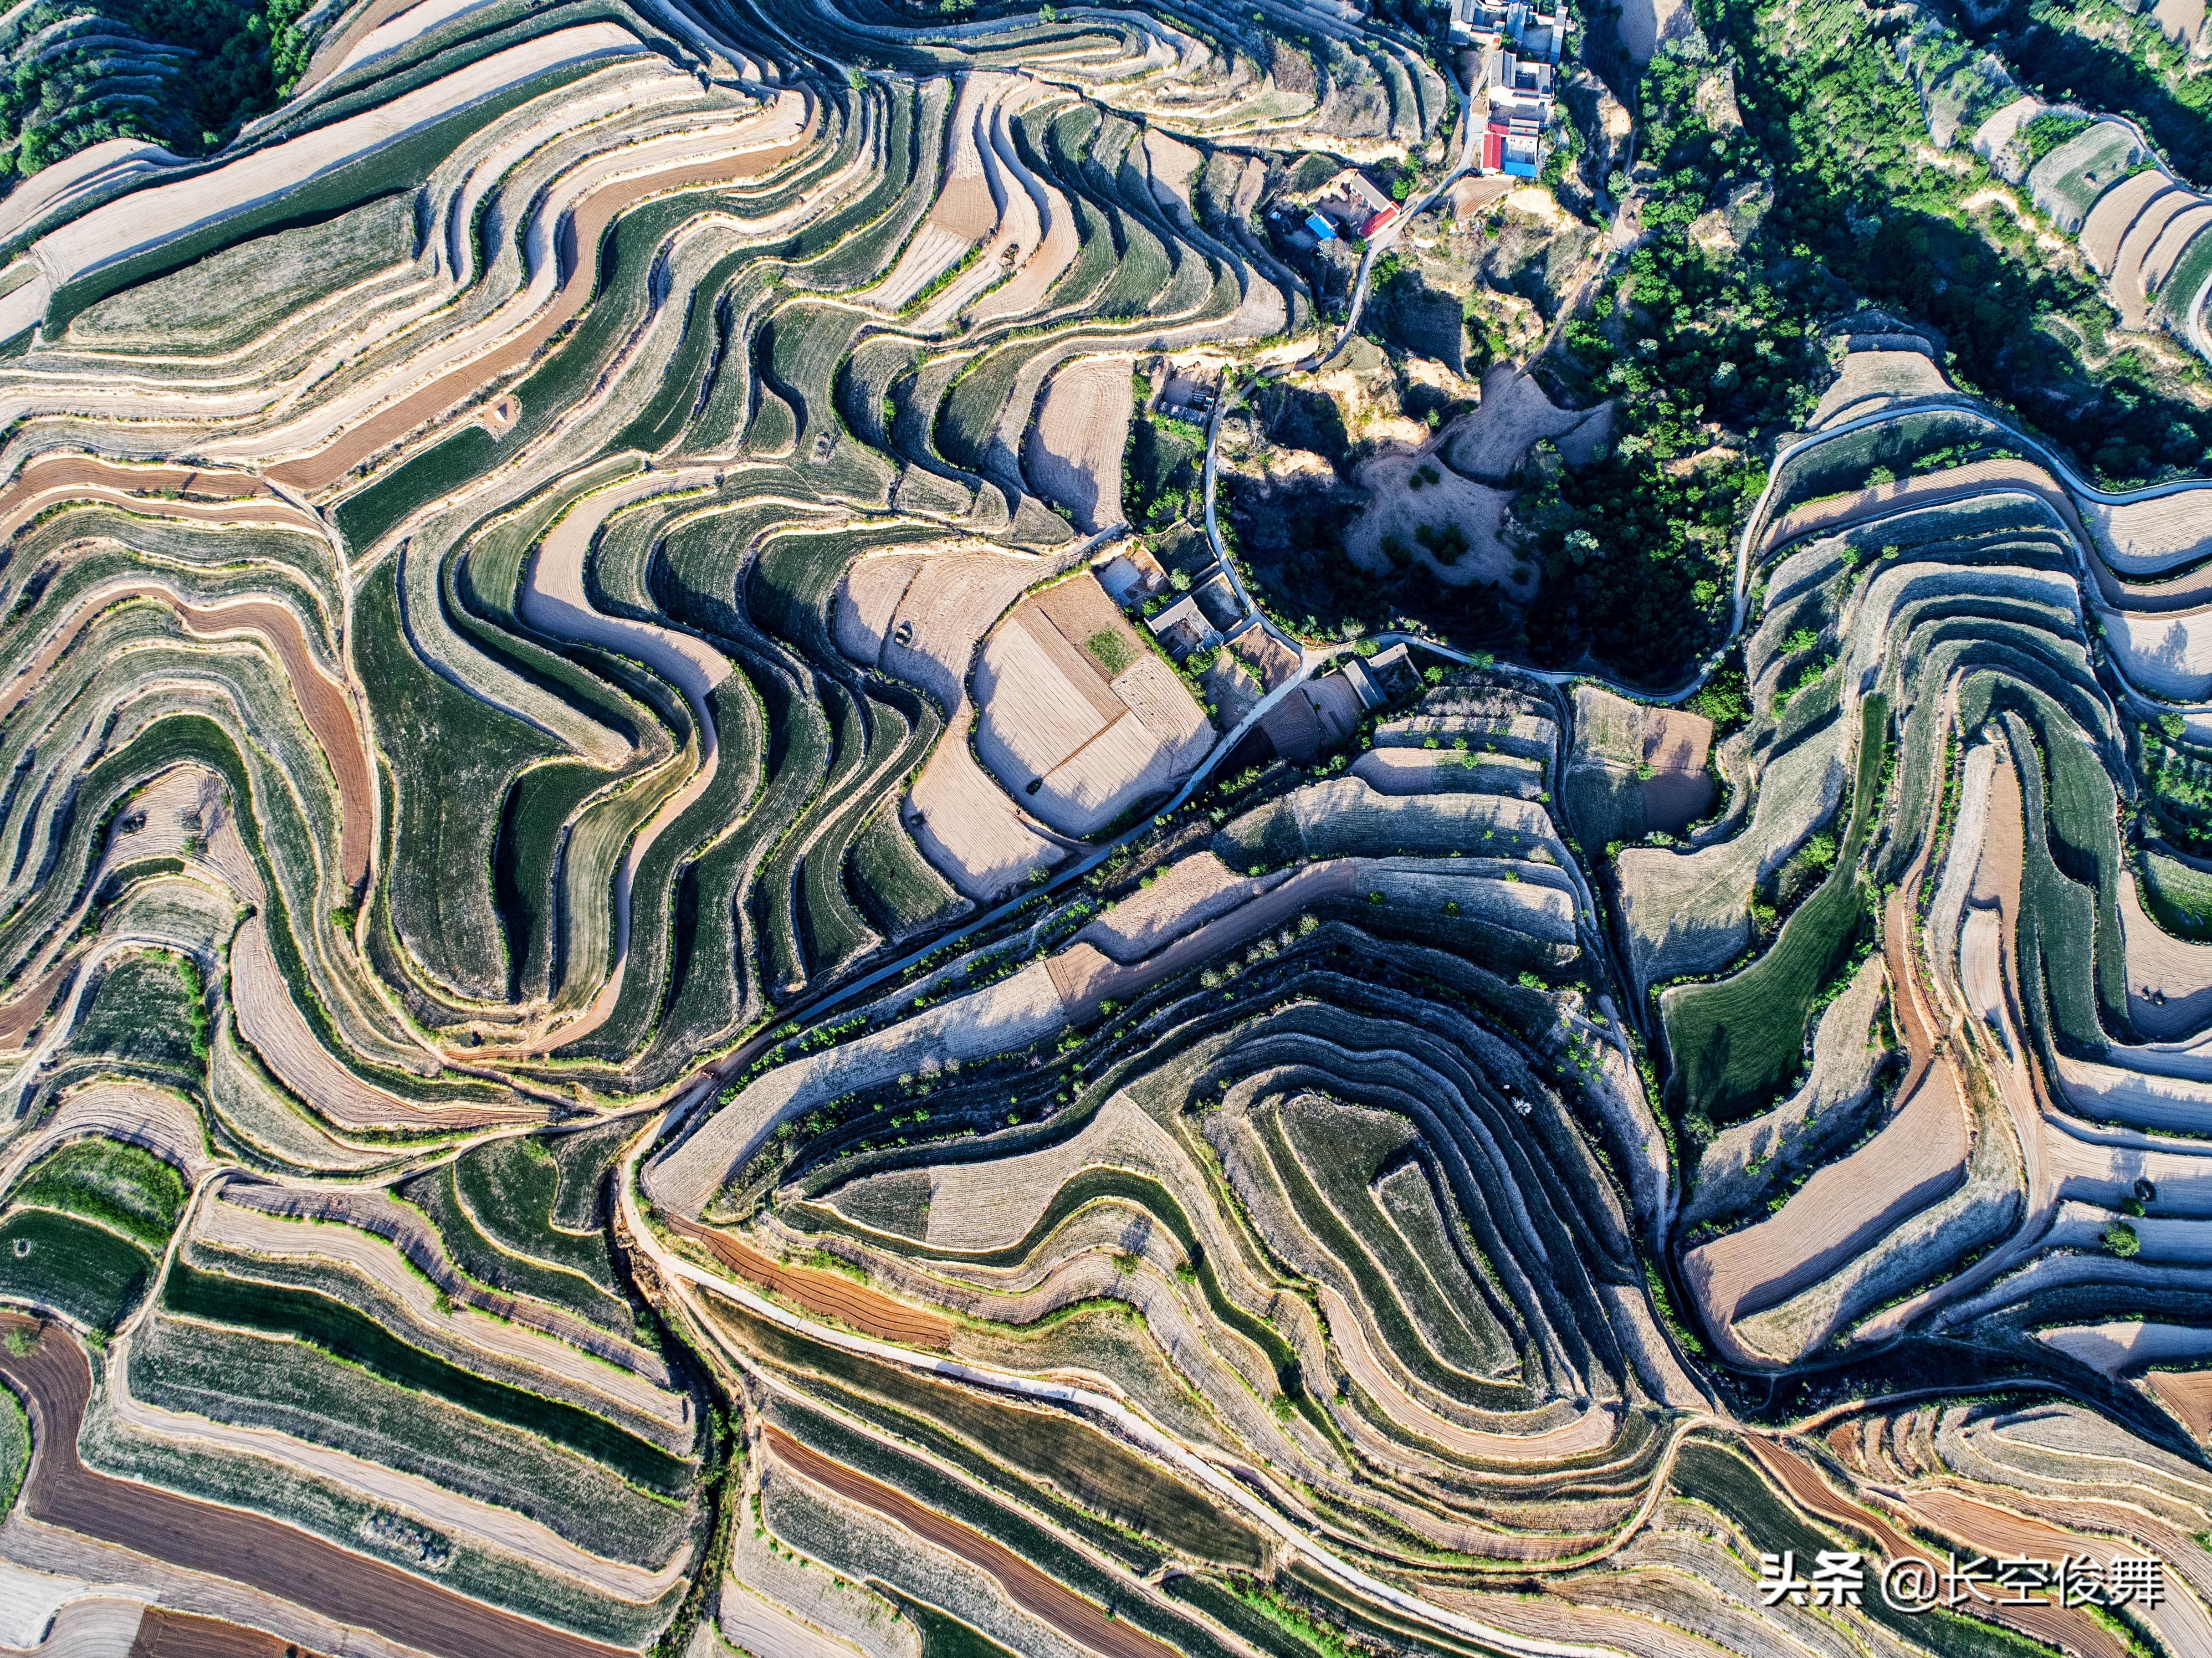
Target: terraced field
[[659, 992]]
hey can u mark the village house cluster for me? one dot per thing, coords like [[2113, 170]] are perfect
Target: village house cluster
[[1510, 56]]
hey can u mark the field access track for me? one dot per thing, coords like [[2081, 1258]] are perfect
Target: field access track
[[55, 1378]]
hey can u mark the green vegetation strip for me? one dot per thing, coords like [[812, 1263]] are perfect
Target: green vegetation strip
[[1735, 1042], [124, 1187], [346, 1335], [72, 1265], [14, 1447]]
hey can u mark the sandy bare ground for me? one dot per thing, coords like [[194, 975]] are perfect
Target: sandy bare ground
[[2169, 980], [90, 168], [502, 1528], [272, 1024], [918, 615], [93, 1626], [1079, 737], [758, 1624], [331, 50], [1074, 451], [396, 31], [1040, 213], [1675, 745], [1919, 1156], [824, 1295], [2188, 1394], [2168, 653], [1981, 966], [2106, 227], [1592, 1430], [1396, 509], [968, 827], [1025, 1586], [2179, 19], [2122, 1346], [1866, 375], [2144, 538], [1085, 976], [1513, 415], [781, 130], [56, 1380], [1187, 893], [1645, 23], [1171, 163]]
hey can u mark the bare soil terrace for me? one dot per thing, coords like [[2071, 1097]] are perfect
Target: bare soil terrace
[[825, 1295], [55, 1380], [1025, 1586]]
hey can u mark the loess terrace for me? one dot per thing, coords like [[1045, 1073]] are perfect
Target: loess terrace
[[980, 828]]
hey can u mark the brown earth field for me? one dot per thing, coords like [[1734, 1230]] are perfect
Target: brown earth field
[[206, 493], [30, 1005], [1679, 792], [826, 1295], [1996, 1532], [2188, 1394], [2070, 1630], [1025, 1586], [323, 705], [55, 1379], [322, 702], [166, 1634]]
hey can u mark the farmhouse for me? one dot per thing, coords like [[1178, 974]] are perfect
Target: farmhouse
[[1512, 54], [1080, 720]]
